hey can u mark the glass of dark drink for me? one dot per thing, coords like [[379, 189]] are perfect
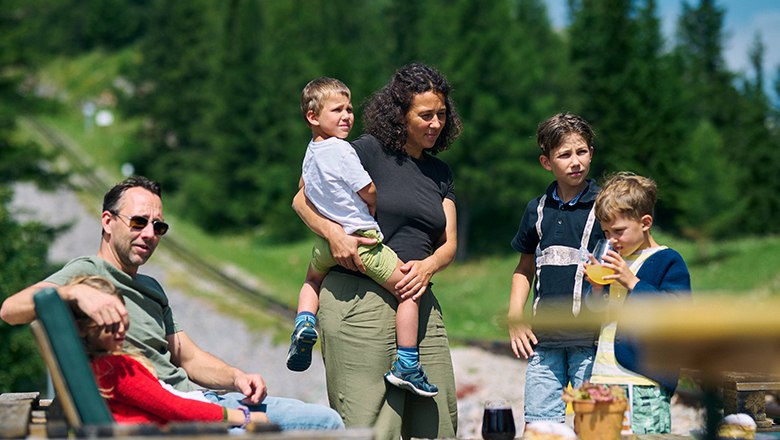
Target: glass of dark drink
[[498, 422]]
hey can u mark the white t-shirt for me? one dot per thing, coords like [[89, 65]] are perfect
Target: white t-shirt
[[332, 175], [192, 395]]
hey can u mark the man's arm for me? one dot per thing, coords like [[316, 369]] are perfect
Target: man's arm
[[520, 335], [343, 247], [212, 372], [106, 310]]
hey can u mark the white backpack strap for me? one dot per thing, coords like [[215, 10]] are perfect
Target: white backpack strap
[[539, 217], [579, 276]]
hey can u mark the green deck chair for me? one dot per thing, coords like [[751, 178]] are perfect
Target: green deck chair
[[85, 410], [63, 352]]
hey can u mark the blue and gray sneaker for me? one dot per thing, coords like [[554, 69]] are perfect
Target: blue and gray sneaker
[[303, 339], [412, 379]]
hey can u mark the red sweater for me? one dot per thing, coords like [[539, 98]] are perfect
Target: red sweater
[[137, 396]]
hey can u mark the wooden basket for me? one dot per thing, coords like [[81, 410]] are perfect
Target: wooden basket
[[598, 420]]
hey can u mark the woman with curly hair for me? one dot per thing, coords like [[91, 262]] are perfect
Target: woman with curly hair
[[407, 123]]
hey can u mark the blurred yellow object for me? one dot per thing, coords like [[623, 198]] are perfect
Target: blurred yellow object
[[710, 333]]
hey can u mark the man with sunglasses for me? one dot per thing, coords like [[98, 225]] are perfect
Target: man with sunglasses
[[132, 226]]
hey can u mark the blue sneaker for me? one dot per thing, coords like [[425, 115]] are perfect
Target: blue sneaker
[[303, 339], [412, 379]]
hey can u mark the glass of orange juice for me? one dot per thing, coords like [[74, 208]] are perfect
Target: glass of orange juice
[[597, 272]]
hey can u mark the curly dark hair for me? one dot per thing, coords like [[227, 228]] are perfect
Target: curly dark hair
[[384, 115]]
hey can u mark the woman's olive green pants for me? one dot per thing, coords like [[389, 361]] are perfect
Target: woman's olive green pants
[[357, 324]]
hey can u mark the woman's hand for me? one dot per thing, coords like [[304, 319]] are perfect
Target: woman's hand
[[344, 249], [417, 275]]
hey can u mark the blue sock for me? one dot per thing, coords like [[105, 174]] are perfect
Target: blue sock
[[305, 317], [409, 357]]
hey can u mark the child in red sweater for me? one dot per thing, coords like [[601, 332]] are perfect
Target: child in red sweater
[[128, 383]]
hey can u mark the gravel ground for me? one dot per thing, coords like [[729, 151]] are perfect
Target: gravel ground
[[480, 375]]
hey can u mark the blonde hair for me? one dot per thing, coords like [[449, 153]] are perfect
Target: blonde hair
[[317, 91], [88, 330], [85, 324], [627, 194]]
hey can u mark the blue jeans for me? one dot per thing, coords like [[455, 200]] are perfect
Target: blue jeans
[[289, 414], [549, 371]]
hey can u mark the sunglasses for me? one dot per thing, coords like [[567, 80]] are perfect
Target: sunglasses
[[138, 223]]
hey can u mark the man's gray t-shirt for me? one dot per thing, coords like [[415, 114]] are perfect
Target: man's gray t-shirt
[[151, 318]]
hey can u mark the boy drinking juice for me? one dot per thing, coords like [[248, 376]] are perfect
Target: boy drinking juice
[[642, 268]]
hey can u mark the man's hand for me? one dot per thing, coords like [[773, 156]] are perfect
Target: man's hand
[[105, 309], [252, 386], [521, 338]]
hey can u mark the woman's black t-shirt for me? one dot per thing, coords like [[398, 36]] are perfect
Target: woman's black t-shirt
[[409, 197]]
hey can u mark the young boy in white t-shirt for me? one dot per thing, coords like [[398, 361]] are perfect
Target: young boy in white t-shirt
[[336, 183]]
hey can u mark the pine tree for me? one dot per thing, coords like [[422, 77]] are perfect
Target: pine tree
[[760, 150], [23, 251], [172, 80], [738, 117], [603, 35], [708, 199], [231, 128], [651, 136], [503, 86]]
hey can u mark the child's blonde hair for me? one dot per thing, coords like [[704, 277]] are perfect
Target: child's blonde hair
[[627, 194], [317, 90], [89, 331], [84, 323]]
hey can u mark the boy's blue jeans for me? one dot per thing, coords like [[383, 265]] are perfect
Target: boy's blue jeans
[[289, 414], [549, 371]]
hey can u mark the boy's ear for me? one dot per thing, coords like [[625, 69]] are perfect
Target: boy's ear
[[312, 117], [647, 222], [545, 161]]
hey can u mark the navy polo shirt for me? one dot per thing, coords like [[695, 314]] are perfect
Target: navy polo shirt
[[560, 235]]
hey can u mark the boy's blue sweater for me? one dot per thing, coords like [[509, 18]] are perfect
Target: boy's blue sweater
[[664, 273]]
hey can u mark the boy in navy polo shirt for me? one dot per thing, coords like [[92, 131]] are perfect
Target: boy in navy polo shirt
[[557, 230]]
